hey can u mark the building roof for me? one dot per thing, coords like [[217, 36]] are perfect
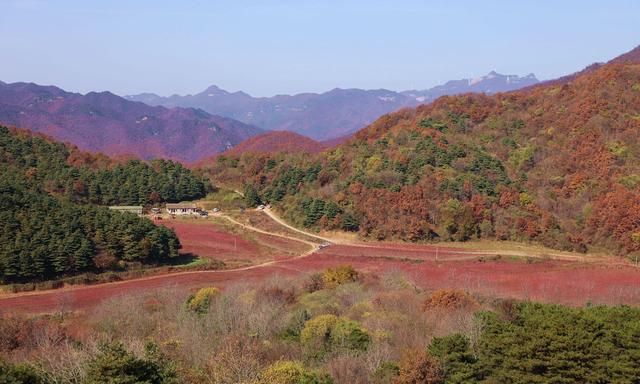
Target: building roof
[[126, 207], [181, 206]]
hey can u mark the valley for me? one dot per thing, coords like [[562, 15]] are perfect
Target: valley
[[526, 274], [324, 214]]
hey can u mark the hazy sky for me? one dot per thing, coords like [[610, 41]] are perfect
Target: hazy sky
[[268, 47]]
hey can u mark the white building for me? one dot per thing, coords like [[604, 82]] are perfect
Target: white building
[[182, 209]]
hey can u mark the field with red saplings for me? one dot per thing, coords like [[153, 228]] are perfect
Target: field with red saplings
[[87, 297], [206, 239], [563, 282], [407, 252]]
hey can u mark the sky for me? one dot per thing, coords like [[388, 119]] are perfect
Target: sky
[[268, 47]]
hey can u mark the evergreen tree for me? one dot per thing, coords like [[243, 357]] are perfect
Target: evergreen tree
[[251, 197]]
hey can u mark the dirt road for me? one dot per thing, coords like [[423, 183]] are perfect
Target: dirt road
[[558, 278]]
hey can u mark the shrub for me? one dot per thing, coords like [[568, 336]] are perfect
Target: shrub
[[348, 334], [449, 299], [386, 373], [296, 325], [313, 283], [13, 332], [291, 372], [343, 274], [18, 374], [316, 334], [326, 333], [200, 301], [286, 296], [419, 367], [116, 365]]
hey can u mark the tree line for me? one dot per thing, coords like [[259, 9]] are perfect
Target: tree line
[[51, 224], [62, 171]]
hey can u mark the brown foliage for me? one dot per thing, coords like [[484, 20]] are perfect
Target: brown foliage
[[13, 333], [418, 367], [618, 213], [449, 299]]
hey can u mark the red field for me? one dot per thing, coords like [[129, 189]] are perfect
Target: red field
[[562, 282], [206, 239]]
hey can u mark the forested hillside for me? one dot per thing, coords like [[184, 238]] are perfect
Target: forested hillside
[[555, 164], [49, 226], [89, 178]]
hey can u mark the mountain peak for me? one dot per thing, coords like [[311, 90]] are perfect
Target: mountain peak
[[214, 90], [102, 121]]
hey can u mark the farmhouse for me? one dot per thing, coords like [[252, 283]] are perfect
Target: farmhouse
[[135, 209], [182, 209]]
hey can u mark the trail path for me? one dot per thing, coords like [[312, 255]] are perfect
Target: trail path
[[278, 220], [83, 297], [314, 248]]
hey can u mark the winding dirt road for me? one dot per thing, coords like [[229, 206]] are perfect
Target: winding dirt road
[[431, 266]]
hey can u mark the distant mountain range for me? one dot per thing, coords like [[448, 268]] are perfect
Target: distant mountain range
[[331, 114], [191, 128], [111, 124]]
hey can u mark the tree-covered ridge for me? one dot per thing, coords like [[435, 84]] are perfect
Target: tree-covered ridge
[[47, 229], [557, 164], [86, 178], [42, 237]]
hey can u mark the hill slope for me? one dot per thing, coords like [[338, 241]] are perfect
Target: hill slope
[[557, 164], [50, 223], [108, 123], [328, 115], [277, 141]]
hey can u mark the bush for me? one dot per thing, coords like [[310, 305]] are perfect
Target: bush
[[296, 325], [418, 367], [116, 365], [348, 334], [343, 274], [327, 333], [449, 299], [13, 332], [291, 372], [314, 283], [200, 301], [386, 373], [316, 334], [18, 374]]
